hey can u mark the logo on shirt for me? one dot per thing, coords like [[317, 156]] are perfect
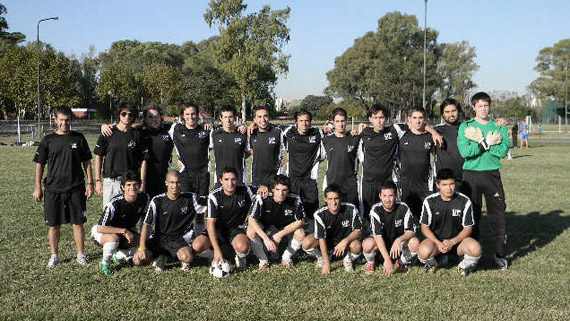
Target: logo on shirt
[[406, 143], [241, 203], [398, 223], [288, 212], [456, 212], [312, 139], [73, 145], [350, 148], [165, 138], [427, 145], [345, 223], [387, 136], [272, 141], [201, 135], [132, 144], [165, 213], [237, 140], [184, 210]]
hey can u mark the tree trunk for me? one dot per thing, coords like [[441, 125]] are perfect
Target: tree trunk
[[243, 107]]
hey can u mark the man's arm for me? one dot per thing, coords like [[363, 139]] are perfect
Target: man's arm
[[384, 252], [326, 260], [289, 229], [465, 232], [501, 150], [211, 227], [117, 230], [435, 136], [340, 248], [259, 231], [89, 171], [98, 179], [144, 166], [467, 148], [38, 194], [427, 232]]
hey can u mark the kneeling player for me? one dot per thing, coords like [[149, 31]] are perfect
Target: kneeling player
[[393, 232], [226, 219], [281, 212], [447, 222], [117, 228], [172, 216], [337, 229]]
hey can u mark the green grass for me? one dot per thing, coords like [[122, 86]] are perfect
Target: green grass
[[536, 287]]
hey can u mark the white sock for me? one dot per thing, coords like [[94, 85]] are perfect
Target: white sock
[[293, 247], [350, 257], [314, 252], [208, 254], [370, 257], [242, 255], [258, 251], [468, 261], [109, 249], [55, 256], [431, 261]]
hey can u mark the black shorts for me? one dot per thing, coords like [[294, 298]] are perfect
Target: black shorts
[[414, 199], [155, 187], [65, 208], [369, 193], [308, 191], [196, 182], [122, 239], [164, 245], [226, 236]]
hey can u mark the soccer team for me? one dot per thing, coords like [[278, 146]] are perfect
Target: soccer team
[[279, 213]]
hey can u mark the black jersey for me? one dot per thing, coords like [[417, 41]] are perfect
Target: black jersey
[[447, 156], [377, 153], [123, 151], [414, 158], [304, 152], [160, 147], [337, 227], [230, 150], [342, 161], [391, 225], [172, 219], [64, 155], [266, 148], [122, 214], [447, 218], [230, 211], [268, 212], [192, 147]]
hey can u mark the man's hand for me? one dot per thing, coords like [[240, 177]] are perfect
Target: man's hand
[[388, 269], [448, 244], [270, 245], [89, 191], [99, 188], [326, 270], [207, 126], [263, 191], [340, 248], [474, 134], [107, 130], [252, 126], [217, 257], [277, 238], [129, 236], [241, 129], [442, 248], [396, 250], [501, 122], [494, 138], [328, 127], [437, 139], [38, 194], [143, 255]]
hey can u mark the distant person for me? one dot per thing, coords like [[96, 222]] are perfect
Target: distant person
[[67, 154], [514, 134], [524, 134], [540, 131]]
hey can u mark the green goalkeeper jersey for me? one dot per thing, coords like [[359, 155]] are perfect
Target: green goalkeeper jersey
[[476, 158]]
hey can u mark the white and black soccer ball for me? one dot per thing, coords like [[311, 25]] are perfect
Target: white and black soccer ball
[[221, 269]]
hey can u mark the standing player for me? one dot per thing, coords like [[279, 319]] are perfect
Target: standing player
[[171, 216], [337, 229], [226, 219], [230, 146], [341, 151], [281, 214], [117, 227], [305, 150], [124, 150], [447, 155], [482, 143], [65, 152], [447, 222], [414, 159], [266, 144], [524, 134], [392, 232]]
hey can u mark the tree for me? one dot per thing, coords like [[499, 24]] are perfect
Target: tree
[[456, 67], [163, 83], [7, 39], [249, 47], [314, 103], [386, 66], [18, 81], [89, 68], [552, 65]]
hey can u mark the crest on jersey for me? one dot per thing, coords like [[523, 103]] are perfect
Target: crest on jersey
[[184, 210], [272, 141], [237, 140], [201, 135], [387, 136], [241, 203], [345, 223], [132, 144], [73, 146], [312, 139], [427, 145], [350, 148], [166, 138], [398, 223], [456, 212], [288, 212]]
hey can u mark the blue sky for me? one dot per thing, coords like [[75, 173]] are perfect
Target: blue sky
[[507, 34]]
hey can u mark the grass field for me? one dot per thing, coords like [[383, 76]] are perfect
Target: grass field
[[536, 287]]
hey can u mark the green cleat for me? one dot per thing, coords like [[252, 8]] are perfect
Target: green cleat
[[121, 263], [106, 269]]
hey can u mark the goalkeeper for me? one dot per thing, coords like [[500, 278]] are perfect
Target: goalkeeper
[[482, 144]]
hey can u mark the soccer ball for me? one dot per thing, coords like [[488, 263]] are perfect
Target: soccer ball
[[221, 269]]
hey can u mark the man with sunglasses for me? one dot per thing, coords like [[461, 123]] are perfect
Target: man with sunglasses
[[122, 151]]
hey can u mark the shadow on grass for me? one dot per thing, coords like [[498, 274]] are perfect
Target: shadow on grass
[[526, 234]]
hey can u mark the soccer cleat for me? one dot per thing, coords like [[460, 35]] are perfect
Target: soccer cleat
[[369, 268], [185, 267], [82, 259], [287, 263], [401, 267], [348, 266], [466, 271], [241, 263], [430, 268], [501, 262], [106, 269], [263, 266], [121, 263], [320, 263], [53, 261]]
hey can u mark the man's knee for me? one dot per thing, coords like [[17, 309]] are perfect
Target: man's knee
[[185, 255], [309, 242], [299, 234], [426, 249], [241, 243], [413, 244], [368, 245], [355, 247]]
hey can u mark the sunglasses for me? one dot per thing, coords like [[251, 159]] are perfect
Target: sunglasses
[[124, 113]]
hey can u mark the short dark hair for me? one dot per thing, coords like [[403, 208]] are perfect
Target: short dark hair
[[389, 184], [188, 105], [228, 108], [152, 106], [339, 111], [301, 112], [281, 180], [480, 96], [130, 176], [332, 188], [132, 108], [417, 109], [62, 110], [256, 108], [229, 170], [377, 108], [444, 174], [447, 102]]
